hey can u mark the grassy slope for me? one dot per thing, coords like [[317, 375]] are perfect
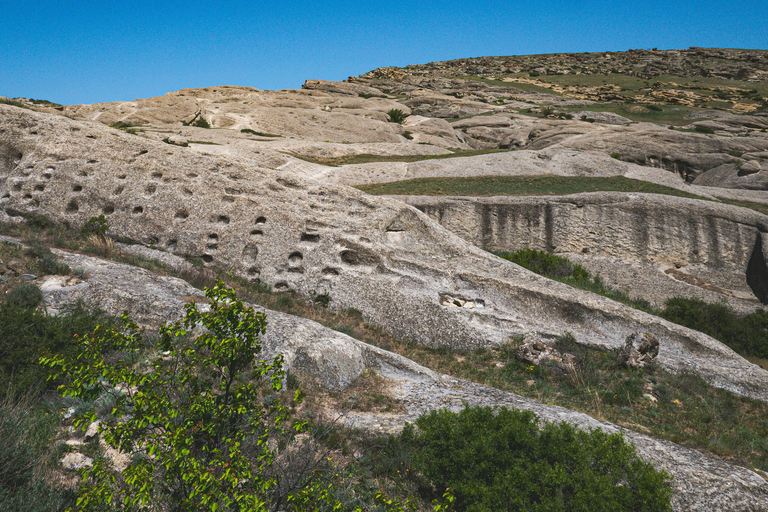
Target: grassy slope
[[519, 186]]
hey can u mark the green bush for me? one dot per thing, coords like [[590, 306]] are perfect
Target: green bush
[[396, 116], [200, 122], [25, 296], [25, 332], [617, 156], [547, 264], [203, 423], [503, 460], [747, 335], [95, 226], [703, 129]]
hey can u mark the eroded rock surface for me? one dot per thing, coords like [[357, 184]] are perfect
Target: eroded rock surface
[[686, 246], [334, 360], [375, 254]]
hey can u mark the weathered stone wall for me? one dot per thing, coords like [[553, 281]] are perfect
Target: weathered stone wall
[[644, 227]]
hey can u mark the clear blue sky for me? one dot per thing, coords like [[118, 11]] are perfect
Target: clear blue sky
[[86, 52]]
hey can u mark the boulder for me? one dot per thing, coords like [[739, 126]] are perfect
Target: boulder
[[537, 353], [93, 430], [639, 350], [748, 168], [75, 461], [178, 140]]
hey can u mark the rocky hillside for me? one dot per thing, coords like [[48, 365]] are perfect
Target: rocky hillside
[[257, 184]]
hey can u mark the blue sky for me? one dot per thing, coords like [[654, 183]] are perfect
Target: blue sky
[[86, 52]]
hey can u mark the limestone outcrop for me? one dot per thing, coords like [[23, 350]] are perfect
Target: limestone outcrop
[[712, 250], [378, 255]]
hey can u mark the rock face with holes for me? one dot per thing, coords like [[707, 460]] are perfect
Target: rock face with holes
[[387, 259]]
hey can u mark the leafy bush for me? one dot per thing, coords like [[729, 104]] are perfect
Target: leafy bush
[[396, 116], [199, 415], [202, 424], [547, 264], [655, 108], [25, 296], [747, 335], [703, 129], [503, 459], [25, 332], [617, 156]]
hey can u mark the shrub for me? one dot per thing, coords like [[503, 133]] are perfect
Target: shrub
[[396, 116], [95, 226], [703, 129], [617, 156], [655, 108], [200, 122], [25, 296], [46, 262], [202, 423], [547, 264], [25, 332], [199, 414], [504, 460], [39, 222], [747, 335]]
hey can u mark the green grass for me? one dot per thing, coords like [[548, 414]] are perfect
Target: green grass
[[667, 115], [519, 186], [367, 158], [564, 270]]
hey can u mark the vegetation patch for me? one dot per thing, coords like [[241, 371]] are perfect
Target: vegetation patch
[[747, 335], [368, 158], [260, 134], [505, 460], [564, 270], [736, 428], [519, 186]]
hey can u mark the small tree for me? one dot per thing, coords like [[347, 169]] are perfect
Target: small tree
[[197, 422]]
